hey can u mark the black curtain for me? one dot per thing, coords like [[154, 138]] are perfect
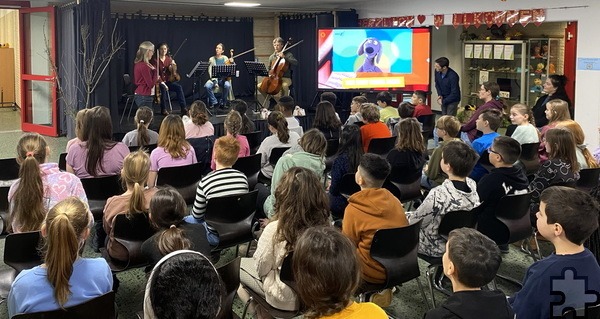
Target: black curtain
[[302, 27], [202, 34]]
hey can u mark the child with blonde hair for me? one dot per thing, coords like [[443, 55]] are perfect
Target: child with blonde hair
[[526, 132]]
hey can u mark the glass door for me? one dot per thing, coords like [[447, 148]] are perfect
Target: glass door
[[39, 111]]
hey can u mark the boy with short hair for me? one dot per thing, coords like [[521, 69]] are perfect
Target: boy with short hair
[[373, 128], [504, 179], [355, 116], [329, 97], [370, 209], [447, 128], [471, 261], [570, 277], [224, 181], [287, 106], [458, 192], [418, 100], [488, 122], [386, 110]]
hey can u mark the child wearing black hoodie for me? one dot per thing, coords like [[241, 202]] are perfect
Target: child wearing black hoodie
[[471, 261], [504, 179]]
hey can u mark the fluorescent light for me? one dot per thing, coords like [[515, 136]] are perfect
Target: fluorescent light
[[242, 4]]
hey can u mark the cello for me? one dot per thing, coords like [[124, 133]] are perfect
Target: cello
[[272, 84]]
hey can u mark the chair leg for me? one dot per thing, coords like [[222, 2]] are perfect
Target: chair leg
[[246, 307], [422, 292], [430, 279], [125, 110], [539, 254]]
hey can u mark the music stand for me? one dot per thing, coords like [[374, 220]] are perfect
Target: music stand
[[256, 69], [223, 70], [197, 72]]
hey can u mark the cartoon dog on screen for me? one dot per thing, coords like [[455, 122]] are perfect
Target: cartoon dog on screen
[[371, 48]]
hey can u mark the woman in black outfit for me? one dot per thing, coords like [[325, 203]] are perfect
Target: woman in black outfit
[[554, 87]]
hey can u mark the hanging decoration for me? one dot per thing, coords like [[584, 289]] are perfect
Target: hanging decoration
[[510, 17]]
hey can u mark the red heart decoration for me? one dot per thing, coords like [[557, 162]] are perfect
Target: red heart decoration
[[421, 18]]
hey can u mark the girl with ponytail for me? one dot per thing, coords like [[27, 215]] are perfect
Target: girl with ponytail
[[167, 210], [136, 199], [40, 185], [281, 137], [69, 279], [141, 136]]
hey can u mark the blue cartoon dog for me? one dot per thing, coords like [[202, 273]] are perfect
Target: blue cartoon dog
[[371, 48]]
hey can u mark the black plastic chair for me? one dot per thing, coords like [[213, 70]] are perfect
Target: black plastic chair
[[98, 190], [128, 94], [399, 261], [20, 252], [130, 232], [203, 147], [588, 179], [510, 129], [276, 154], [4, 205], [9, 169], [230, 276], [332, 147], [428, 122], [348, 185], [529, 157], [183, 178], [381, 146], [250, 166], [147, 148], [409, 192], [62, 162], [590, 312], [118, 136], [232, 216], [452, 220], [287, 277], [102, 307], [253, 140]]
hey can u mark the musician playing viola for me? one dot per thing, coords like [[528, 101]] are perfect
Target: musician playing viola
[[166, 66], [214, 82], [278, 44]]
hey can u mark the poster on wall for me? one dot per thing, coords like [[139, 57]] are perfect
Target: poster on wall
[[468, 51], [509, 52], [477, 51], [499, 51], [487, 51]]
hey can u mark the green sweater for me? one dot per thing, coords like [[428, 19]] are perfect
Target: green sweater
[[434, 171], [313, 162]]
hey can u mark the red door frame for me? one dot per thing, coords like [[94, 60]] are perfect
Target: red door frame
[[26, 124], [570, 58]]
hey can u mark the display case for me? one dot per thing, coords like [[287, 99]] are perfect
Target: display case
[[543, 60], [503, 62]]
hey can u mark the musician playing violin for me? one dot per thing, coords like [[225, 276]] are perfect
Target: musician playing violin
[[214, 82], [166, 66], [278, 44]]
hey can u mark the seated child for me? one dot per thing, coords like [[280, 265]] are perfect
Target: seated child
[[355, 116], [386, 109], [223, 181], [471, 261], [447, 128], [287, 105], [566, 218], [418, 100], [504, 179], [458, 192], [327, 274], [487, 122], [373, 128], [370, 209]]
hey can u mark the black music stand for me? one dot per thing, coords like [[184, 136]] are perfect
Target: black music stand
[[196, 73], [256, 69]]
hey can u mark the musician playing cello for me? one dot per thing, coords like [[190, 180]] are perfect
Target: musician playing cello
[[214, 82], [278, 44], [166, 66]]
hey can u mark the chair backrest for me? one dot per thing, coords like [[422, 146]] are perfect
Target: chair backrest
[[332, 147], [147, 148], [250, 166], [230, 276], [457, 219], [4, 208], [513, 211], [529, 151], [183, 178], [102, 307], [203, 146], [348, 185], [131, 232], [21, 250], [62, 162], [399, 260], [102, 188], [510, 129], [276, 154], [410, 191], [232, 217], [428, 122], [9, 169], [118, 136], [589, 312], [588, 179], [381, 146], [253, 140]]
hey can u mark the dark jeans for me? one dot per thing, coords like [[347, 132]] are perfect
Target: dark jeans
[[173, 87], [143, 100], [449, 109]]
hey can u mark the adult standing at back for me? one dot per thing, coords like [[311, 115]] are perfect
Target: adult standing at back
[[554, 88], [447, 86]]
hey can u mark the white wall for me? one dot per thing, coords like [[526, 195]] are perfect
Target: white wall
[[585, 12]]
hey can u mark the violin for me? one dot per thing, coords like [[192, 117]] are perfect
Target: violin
[[227, 62], [172, 69], [272, 83]]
